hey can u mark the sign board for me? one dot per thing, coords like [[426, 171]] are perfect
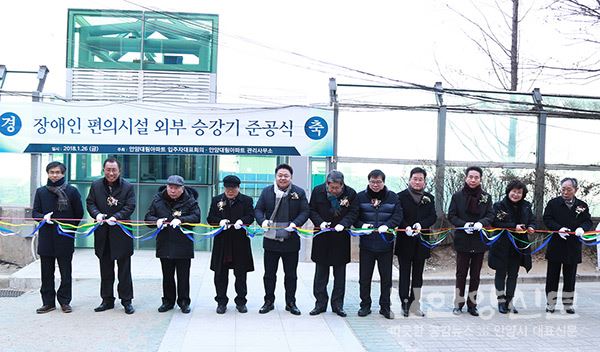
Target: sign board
[[150, 128]]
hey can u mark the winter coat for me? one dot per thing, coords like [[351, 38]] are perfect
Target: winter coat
[[171, 242], [458, 216], [503, 251], [558, 215], [231, 248], [388, 212], [408, 247], [120, 244], [332, 247], [298, 214], [50, 243]]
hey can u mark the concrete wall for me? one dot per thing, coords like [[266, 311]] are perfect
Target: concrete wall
[[15, 249]]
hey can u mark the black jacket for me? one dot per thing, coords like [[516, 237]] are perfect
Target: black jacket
[[50, 243], [424, 213], [121, 244], [231, 248], [388, 212], [558, 215], [458, 216], [332, 247], [172, 243], [298, 214], [502, 252]]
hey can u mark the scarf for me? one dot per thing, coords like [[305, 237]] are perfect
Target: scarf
[[58, 188], [377, 195], [569, 202], [417, 196], [473, 197]]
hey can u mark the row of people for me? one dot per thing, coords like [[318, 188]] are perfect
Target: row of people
[[282, 208]]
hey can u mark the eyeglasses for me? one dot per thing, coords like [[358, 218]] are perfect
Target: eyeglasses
[[375, 182]]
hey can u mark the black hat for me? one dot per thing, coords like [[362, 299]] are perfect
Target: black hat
[[175, 180], [231, 181]]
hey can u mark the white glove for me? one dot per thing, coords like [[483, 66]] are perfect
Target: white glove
[[409, 231], [291, 228], [175, 222], [563, 232], [579, 232], [266, 224], [112, 221], [469, 228], [238, 224], [324, 225], [100, 217], [224, 222], [159, 222], [47, 217], [477, 226], [382, 229], [417, 227], [339, 227], [367, 226]]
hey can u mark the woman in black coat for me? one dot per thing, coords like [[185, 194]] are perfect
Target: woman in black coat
[[174, 204], [419, 212], [231, 248], [564, 214], [512, 212], [333, 205]]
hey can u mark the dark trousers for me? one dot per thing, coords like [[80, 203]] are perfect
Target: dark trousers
[[290, 266], [222, 281], [182, 266], [569, 272], [411, 278], [320, 285], [507, 278], [366, 267], [467, 263], [107, 278], [64, 290]]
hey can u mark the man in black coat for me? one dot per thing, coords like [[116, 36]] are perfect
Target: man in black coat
[[378, 209], [281, 208], [173, 205], [564, 214], [112, 198], [58, 200], [471, 209], [418, 208], [333, 206], [231, 248]]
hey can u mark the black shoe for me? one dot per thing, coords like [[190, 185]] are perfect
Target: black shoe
[[387, 313], [104, 306], [165, 307], [66, 308], [363, 312], [514, 310], [549, 309], [292, 308], [45, 309], [570, 310], [241, 308], [473, 311], [266, 308], [221, 309], [317, 311], [405, 307], [340, 312], [502, 308], [185, 309], [457, 311], [128, 308]]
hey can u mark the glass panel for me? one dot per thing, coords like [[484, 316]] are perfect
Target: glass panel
[[491, 138], [396, 176], [569, 141], [318, 172], [255, 172], [387, 134], [157, 168]]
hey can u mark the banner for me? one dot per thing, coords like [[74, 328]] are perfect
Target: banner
[[152, 128]]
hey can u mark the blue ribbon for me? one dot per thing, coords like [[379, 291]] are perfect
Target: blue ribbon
[[154, 234], [490, 243], [205, 237], [589, 244], [25, 236], [544, 244]]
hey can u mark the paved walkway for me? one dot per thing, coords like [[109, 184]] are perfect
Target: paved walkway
[[203, 329]]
